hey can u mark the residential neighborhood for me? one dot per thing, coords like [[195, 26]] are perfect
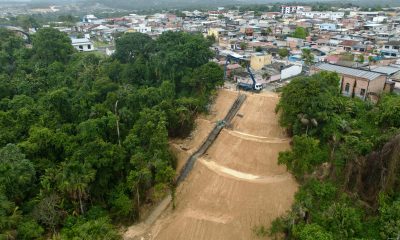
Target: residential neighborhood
[[276, 45]]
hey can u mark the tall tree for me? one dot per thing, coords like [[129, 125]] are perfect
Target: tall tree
[[131, 45], [10, 217], [307, 56], [283, 52], [9, 46], [50, 45], [300, 32], [305, 155], [16, 172]]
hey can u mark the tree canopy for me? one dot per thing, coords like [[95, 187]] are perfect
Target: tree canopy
[[84, 138], [300, 32], [50, 45], [333, 137]]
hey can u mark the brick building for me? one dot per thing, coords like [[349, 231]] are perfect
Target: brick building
[[355, 82]]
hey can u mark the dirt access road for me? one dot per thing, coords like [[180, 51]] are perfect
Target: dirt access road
[[236, 185]]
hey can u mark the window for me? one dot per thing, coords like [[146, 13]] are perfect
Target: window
[[362, 92], [89, 46], [80, 47], [387, 47], [347, 88]]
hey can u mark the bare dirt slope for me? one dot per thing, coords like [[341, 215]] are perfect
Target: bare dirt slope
[[183, 148], [237, 184]]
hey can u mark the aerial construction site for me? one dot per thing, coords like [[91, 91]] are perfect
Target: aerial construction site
[[229, 178]]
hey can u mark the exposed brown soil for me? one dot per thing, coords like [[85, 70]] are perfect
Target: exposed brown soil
[[236, 185]]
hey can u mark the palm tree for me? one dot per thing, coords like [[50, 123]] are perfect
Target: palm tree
[[74, 179], [10, 215], [307, 56], [138, 178]]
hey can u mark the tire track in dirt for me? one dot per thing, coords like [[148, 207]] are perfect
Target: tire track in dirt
[[242, 176], [256, 138]]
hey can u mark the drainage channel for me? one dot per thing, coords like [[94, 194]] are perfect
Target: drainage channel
[[190, 163], [211, 138]]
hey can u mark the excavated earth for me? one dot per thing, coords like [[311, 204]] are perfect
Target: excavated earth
[[236, 185]]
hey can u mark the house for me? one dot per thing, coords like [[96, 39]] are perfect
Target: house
[[288, 29], [379, 19], [391, 72], [216, 32], [82, 44], [355, 82], [391, 49], [294, 42], [332, 59], [142, 28], [258, 60], [327, 26], [322, 15], [348, 45], [89, 18], [359, 48], [376, 27]]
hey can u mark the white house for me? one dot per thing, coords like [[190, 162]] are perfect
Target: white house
[[82, 44], [89, 18], [327, 26], [142, 28], [379, 19], [377, 27], [391, 49], [322, 15]]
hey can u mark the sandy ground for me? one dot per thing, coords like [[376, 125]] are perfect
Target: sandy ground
[[258, 116], [237, 184]]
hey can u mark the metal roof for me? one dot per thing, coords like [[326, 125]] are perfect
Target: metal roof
[[349, 71], [80, 41], [386, 70]]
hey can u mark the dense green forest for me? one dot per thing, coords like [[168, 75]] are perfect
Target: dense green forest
[[346, 155], [84, 138]]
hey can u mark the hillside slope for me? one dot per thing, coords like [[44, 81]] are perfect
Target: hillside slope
[[237, 184]]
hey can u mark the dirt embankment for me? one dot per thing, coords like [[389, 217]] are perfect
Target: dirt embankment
[[237, 184]]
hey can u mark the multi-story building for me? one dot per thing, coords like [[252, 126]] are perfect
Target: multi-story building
[[290, 9], [391, 49], [322, 15]]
